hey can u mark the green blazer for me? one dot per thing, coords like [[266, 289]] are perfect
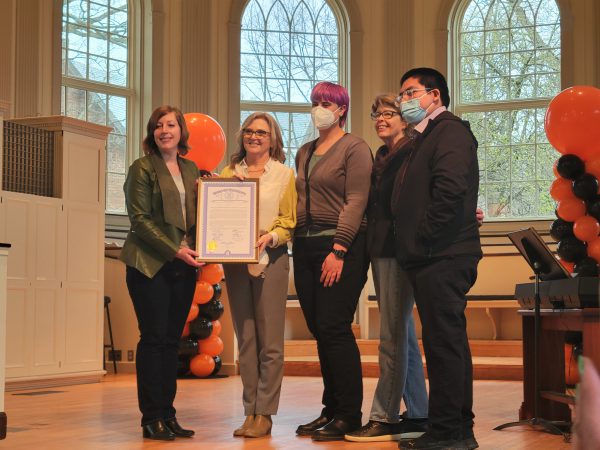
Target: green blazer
[[154, 208]]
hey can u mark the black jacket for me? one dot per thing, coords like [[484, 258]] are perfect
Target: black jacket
[[380, 230], [435, 195]]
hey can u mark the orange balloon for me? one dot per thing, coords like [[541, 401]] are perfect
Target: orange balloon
[[216, 329], [186, 330], [570, 266], [202, 365], [570, 209], [207, 141], [212, 345], [561, 189], [572, 120], [586, 228], [211, 273], [556, 174], [203, 293], [193, 312], [593, 249], [593, 166]]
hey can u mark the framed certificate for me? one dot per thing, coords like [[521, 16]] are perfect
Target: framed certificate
[[227, 221]]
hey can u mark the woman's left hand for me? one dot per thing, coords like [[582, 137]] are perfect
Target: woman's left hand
[[263, 241], [331, 270], [188, 256]]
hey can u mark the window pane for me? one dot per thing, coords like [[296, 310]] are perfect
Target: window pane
[[519, 44], [287, 47], [115, 197], [95, 48]]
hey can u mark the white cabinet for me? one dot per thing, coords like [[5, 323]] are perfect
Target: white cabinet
[[55, 280]]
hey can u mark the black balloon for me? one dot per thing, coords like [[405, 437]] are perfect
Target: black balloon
[[216, 292], [187, 347], [585, 187], [586, 267], [570, 167], [212, 310], [200, 328], [218, 365], [593, 208], [571, 249], [561, 229]]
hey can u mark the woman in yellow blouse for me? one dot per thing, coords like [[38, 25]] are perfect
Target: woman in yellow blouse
[[258, 292]]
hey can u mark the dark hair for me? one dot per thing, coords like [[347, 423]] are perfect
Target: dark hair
[[149, 144], [431, 79], [325, 91], [275, 150]]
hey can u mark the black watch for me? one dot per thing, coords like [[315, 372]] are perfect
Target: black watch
[[340, 254]]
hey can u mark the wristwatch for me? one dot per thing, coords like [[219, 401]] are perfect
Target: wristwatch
[[340, 254]]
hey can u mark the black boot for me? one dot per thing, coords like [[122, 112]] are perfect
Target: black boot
[[157, 431], [309, 428], [176, 429]]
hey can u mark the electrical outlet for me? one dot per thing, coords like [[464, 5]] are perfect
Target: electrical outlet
[[129, 355], [114, 356]]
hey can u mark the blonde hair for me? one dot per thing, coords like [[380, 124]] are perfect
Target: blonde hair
[[275, 150]]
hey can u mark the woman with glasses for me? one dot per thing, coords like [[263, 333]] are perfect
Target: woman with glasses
[[330, 262], [400, 364], [258, 292]]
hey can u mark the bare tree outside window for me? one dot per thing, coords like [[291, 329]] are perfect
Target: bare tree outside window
[[287, 46], [95, 88], [508, 70]]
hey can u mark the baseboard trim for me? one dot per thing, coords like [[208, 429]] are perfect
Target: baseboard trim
[[42, 382]]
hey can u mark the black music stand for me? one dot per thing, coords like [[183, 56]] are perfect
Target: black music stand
[[545, 267]]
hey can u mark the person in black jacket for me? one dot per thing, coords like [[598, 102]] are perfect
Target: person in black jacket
[[437, 243]]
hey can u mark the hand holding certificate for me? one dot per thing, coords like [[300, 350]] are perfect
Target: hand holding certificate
[[227, 223]]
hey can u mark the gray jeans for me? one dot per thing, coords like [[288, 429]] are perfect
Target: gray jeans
[[258, 312], [401, 368]]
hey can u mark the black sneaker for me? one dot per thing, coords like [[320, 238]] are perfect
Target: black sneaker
[[374, 431], [430, 442], [411, 428]]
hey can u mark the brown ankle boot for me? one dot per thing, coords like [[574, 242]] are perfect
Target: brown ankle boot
[[241, 431], [260, 427]]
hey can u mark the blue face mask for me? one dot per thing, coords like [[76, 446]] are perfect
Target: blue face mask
[[412, 112]]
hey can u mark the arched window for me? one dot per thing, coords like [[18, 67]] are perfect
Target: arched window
[[96, 78], [507, 69], [287, 46]]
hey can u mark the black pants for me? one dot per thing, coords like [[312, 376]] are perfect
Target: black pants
[[329, 312], [161, 305], [440, 290]]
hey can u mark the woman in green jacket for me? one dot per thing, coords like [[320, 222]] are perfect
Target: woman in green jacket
[[161, 265]]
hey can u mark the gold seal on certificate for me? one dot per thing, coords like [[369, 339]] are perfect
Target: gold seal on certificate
[[227, 222]]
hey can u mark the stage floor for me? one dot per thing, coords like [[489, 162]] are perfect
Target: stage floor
[[105, 416]]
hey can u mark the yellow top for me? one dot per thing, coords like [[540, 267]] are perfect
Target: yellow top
[[277, 199]]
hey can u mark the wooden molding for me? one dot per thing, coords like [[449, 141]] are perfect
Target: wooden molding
[[63, 123]]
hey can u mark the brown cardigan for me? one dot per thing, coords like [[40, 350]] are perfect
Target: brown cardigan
[[337, 189]]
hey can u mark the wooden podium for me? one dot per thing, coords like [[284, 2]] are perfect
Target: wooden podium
[[554, 323]]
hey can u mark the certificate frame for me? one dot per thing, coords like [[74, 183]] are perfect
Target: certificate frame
[[227, 220]]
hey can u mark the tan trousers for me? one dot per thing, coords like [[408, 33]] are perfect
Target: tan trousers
[[258, 311]]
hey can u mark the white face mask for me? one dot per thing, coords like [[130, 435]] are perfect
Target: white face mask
[[322, 117]]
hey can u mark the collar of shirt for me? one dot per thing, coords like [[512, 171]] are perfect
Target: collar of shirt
[[420, 127], [244, 165]]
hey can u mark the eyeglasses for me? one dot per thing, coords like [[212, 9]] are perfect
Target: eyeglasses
[[385, 114], [409, 93], [260, 134]]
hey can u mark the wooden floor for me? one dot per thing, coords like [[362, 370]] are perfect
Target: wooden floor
[[105, 416]]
